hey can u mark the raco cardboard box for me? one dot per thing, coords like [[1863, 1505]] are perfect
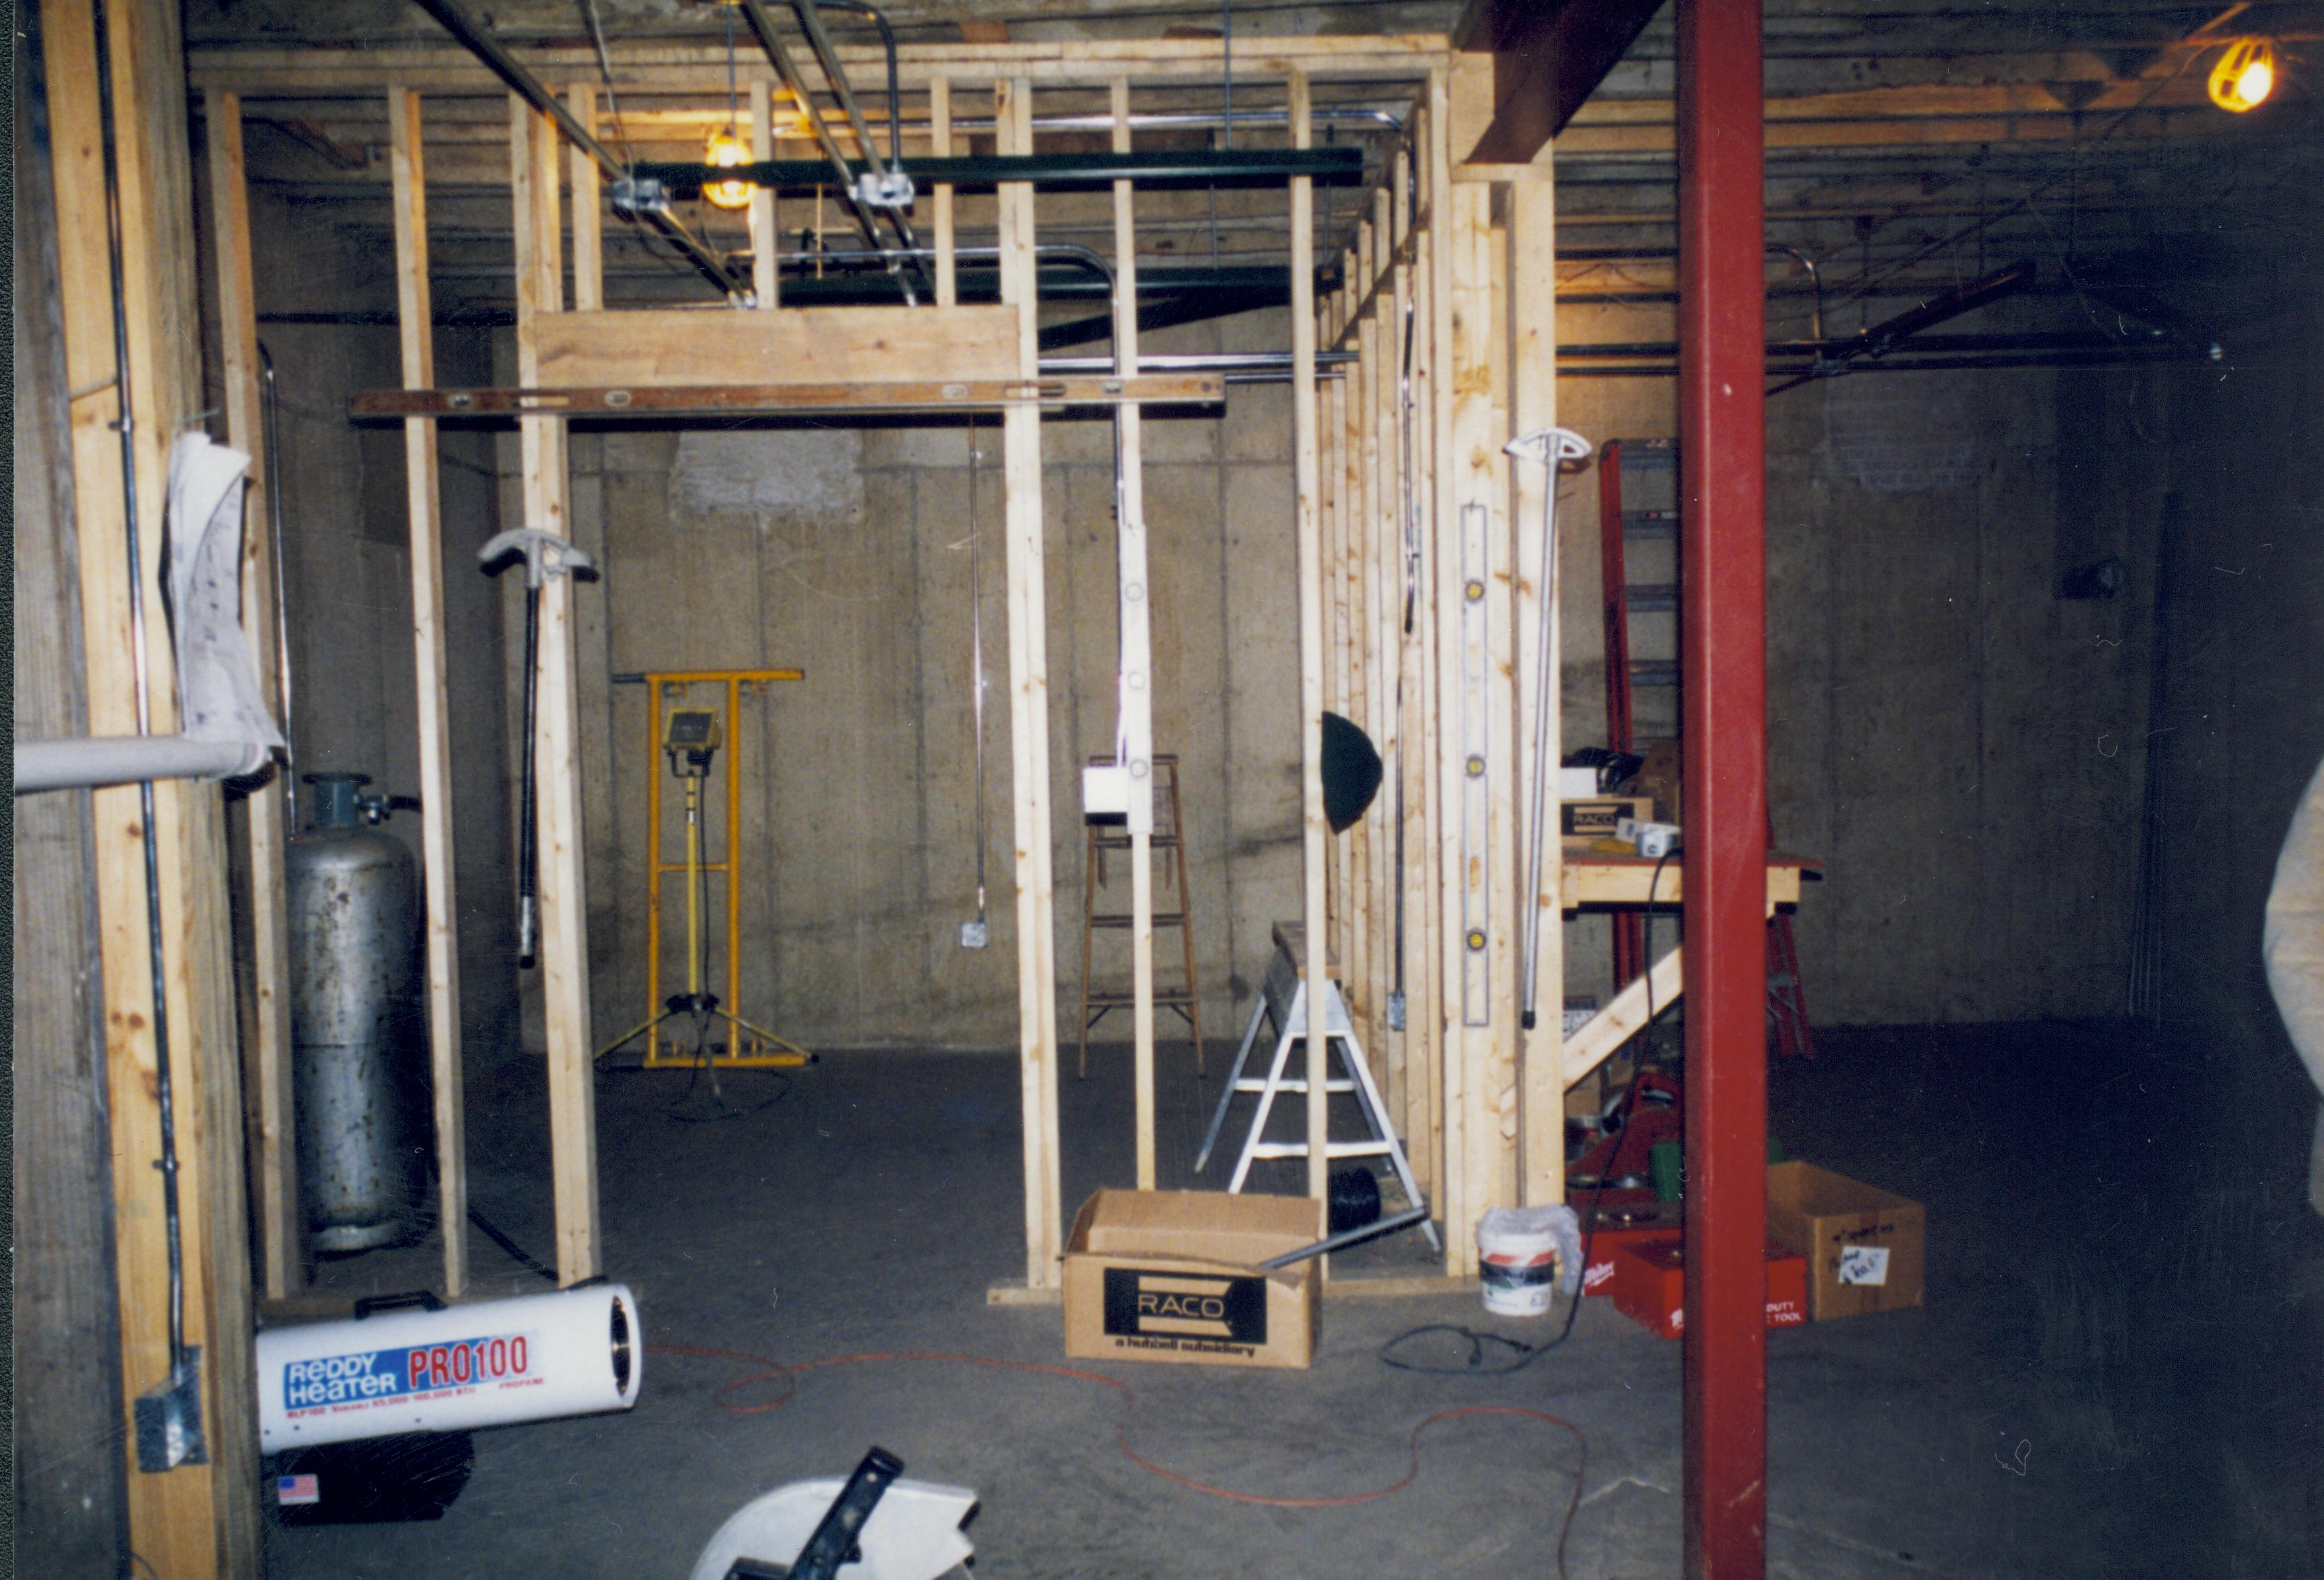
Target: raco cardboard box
[[1864, 1247], [1170, 1275], [1650, 1286], [1596, 816]]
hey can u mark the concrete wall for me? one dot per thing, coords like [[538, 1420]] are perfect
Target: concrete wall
[[844, 551], [1959, 745], [1962, 748], [2242, 729]]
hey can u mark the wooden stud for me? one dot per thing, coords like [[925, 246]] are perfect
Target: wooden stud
[[1480, 485], [1447, 239], [415, 324], [1137, 649], [198, 1520], [1363, 394], [1533, 404], [563, 942], [766, 230], [1308, 526], [1336, 503], [1386, 637], [1423, 1017], [1028, 703], [266, 1063], [588, 218], [940, 195]]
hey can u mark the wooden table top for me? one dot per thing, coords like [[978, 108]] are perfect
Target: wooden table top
[[1621, 877]]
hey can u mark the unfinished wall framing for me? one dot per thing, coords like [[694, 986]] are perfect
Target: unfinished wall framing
[[1421, 567]]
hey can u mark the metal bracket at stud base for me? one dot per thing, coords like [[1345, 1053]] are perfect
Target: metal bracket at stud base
[[169, 1418]]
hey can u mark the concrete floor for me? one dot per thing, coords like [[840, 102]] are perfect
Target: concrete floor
[[2120, 1369]]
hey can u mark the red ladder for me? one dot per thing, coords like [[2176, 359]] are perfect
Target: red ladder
[[1787, 1010]]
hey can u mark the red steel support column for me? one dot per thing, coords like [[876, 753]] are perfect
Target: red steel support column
[[1722, 441]]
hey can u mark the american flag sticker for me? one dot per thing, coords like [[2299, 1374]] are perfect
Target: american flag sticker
[[290, 1491]]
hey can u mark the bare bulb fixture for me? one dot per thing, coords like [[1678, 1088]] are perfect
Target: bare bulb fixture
[[2244, 75], [726, 150]]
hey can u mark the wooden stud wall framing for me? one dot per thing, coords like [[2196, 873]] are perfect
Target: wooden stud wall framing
[[1307, 525], [1137, 648], [1029, 735], [198, 1520], [1404, 501], [1533, 405], [416, 322], [564, 946], [266, 1055]]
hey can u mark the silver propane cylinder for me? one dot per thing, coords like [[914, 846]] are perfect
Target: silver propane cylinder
[[358, 1040]]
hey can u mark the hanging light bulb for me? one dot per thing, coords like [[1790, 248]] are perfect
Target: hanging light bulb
[[2244, 75], [727, 151]]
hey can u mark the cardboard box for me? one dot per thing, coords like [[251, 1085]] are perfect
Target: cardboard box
[[1596, 816], [1863, 1246], [1628, 1223], [1649, 1286], [1169, 1275]]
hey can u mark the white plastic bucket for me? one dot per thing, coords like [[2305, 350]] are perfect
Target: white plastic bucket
[[1516, 1261], [573, 1352]]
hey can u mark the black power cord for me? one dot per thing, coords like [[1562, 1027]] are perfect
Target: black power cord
[[1522, 1354]]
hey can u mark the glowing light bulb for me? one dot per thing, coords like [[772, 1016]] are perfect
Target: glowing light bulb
[[2244, 75], [726, 150]]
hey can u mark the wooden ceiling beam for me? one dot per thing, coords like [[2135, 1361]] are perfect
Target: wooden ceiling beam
[[447, 69], [1547, 59]]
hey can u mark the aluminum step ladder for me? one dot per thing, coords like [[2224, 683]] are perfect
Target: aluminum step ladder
[[1283, 998]]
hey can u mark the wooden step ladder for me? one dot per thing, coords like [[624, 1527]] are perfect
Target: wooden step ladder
[[1283, 997], [1169, 835]]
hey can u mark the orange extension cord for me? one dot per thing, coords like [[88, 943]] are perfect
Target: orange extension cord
[[775, 1371]]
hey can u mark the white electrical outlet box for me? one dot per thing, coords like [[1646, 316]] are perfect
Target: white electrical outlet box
[[1105, 792], [1653, 841]]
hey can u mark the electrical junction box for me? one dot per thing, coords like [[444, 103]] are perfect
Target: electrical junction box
[[1653, 841], [1172, 1275], [1105, 792]]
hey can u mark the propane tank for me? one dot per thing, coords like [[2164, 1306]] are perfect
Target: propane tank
[[358, 1041]]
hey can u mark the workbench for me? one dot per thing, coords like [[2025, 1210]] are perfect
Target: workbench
[[1599, 876], [1613, 878]]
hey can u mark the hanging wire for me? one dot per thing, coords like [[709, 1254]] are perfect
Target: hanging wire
[[734, 101], [605, 70]]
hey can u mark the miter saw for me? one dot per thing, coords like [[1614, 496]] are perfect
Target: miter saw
[[872, 1526]]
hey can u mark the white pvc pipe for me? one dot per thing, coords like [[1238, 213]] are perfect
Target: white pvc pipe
[[102, 760], [575, 1352]]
